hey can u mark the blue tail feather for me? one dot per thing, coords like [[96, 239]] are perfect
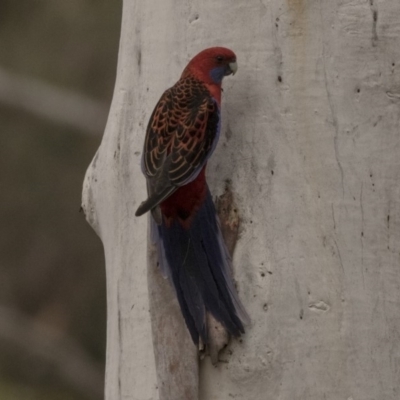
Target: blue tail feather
[[198, 264]]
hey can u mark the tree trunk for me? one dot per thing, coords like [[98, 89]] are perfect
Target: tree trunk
[[311, 146]]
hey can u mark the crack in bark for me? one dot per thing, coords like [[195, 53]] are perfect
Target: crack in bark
[[362, 234], [374, 11], [335, 241], [333, 217], [331, 104], [339, 255]]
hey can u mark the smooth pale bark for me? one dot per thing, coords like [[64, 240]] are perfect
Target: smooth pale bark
[[311, 144]]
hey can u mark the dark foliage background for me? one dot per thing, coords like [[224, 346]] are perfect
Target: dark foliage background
[[51, 263]]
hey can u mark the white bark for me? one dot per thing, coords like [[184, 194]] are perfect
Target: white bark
[[311, 144]]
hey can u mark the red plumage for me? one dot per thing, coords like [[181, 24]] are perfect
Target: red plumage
[[182, 133], [203, 63], [185, 201], [184, 127]]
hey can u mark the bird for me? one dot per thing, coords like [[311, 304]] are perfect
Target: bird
[[181, 135]]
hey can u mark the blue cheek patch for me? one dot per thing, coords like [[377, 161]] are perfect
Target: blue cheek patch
[[217, 74]]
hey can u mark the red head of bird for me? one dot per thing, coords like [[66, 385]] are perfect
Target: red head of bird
[[211, 65]]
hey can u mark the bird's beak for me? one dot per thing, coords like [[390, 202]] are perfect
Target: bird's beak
[[233, 67]]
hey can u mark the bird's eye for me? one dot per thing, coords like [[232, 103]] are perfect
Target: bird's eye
[[219, 58]]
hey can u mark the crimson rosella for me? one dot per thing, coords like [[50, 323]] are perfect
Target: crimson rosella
[[181, 136]]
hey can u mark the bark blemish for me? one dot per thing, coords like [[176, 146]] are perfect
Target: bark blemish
[[319, 306], [339, 256], [194, 17], [335, 120], [374, 11], [297, 6], [173, 366], [393, 95], [362, 233], [333, 218], [229, 218], [228, 133], [139, 58]]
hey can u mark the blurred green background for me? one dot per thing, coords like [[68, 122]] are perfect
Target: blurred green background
[[57, 71]]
